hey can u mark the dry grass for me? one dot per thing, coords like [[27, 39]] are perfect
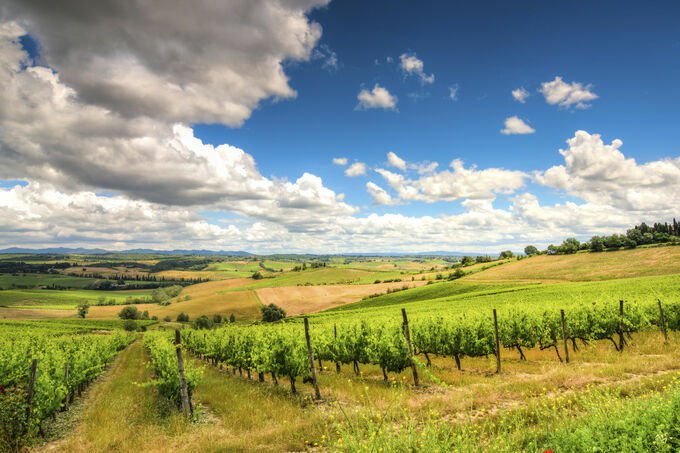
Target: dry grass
[[296, 300], [587, 266], [29, 313]]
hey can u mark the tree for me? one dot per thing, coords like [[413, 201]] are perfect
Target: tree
[[167, 318], [271, 313], [83, 309], [530, 250], [182, 317], [257, 276], [129, 312], [217, 319], [570, 245], [203, 322], [596, 244], [506, 254], [467, 261], [130, 325], [232, 318], [145, 315]]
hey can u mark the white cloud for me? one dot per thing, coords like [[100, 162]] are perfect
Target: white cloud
[[453, 92], [208, 62], [380, 195], [411, 65], [396, 161], [456, 184], [342, 161], [600, 174], [567, 94], [515, 126], [520, 95], [356, 169], [47, 134], [378, 97], [329, 57]]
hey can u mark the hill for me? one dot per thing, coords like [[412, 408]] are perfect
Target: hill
[[586, 266]]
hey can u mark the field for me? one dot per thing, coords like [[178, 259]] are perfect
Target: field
[[602, 400]]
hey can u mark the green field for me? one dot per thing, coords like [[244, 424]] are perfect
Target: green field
[[8, 281], [44, 298]]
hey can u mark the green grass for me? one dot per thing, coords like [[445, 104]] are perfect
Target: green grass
[[8, 281], [42, 298], [461, 296]]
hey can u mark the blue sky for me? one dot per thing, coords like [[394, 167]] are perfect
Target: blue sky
[[620, 58]]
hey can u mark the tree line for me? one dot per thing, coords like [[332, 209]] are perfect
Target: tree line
[[643, 234]]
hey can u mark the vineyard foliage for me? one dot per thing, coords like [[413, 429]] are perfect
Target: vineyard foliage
[[282, 350], [164, 358], [87, 355]]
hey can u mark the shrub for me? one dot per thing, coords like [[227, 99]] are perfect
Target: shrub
[[167, 318], [129, 312], [217, 319], [83, 309], [257, 276], [182, 317], [145, 315], [203, 322], [130, 325], [271, 313], [232, 318], [154, 317]]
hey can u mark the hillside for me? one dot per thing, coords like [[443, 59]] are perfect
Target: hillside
[[586, 266]]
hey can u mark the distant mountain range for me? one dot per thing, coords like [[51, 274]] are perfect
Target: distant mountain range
[[83, 251]]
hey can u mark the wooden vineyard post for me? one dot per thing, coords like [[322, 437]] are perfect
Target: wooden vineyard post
[[407, 334], [564, 337], [335, 332], [31, 385], [621, 326], [498, 342], [186, 405], [663, 324], [311, 360]]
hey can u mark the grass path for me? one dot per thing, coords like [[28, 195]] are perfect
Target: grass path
[[119, 415]]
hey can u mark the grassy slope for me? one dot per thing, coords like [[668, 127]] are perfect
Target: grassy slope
[[64, 299], [587, 266]]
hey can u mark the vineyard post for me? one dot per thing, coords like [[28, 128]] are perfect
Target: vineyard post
[[186, 405], [335, 331], [663, 323], [564, 337], [498, 342], [621, 326], [31, 384], [407, 334], [311, 360]]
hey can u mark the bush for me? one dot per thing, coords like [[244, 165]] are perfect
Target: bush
[[154, 317], [271, 313], [182, 317], [217, 319], [129, 312], [203, 322], [167, 318], [530, 250], [145, 315], [257, 276], [130, 325], [83, 309], [232, 318]]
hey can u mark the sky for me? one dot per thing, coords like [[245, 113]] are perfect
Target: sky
[[335, 126]]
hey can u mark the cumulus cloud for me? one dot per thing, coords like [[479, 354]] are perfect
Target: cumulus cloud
[[378, 97], [600, 174], [395, 161], [567, 94], [411, 65], [342, 161], [520, 95], [210, 62], [456, 184], [328, 56], [380, 195], [356, 169], [48, 134], [515, 126]]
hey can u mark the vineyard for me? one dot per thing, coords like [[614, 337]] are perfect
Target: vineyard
[[42, 369], [281, 350]]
